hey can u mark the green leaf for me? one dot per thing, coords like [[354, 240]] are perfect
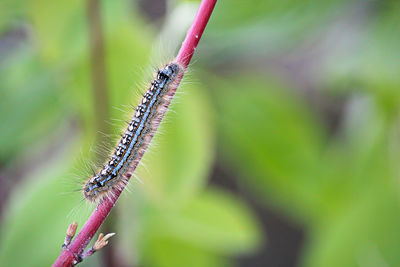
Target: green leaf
[[60, 29], [10, 12], [34, 100], [39, 212], [365, 231], [240, 31], [214, 222], [369, 62], [172, 252], [269, 136]]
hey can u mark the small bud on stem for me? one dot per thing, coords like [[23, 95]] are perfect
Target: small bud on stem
[[71, 231]]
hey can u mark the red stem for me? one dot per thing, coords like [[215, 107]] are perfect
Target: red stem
[[195, 32], [68, 257]]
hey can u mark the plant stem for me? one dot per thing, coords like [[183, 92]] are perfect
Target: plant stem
[[70, 256], [98, 69], [195, 32]]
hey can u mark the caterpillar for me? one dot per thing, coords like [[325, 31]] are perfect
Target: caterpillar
[[116, 172]]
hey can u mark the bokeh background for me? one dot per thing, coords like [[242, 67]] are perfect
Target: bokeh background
[[283, 148]]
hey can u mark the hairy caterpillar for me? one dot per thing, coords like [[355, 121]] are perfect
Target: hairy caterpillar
[[145, 121]]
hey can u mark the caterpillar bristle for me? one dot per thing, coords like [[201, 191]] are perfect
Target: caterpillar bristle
[[116, 172]]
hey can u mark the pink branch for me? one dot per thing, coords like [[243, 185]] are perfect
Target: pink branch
[[195, 32], [71, 255]]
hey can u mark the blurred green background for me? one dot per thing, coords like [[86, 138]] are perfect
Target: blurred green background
[[283, 148]]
